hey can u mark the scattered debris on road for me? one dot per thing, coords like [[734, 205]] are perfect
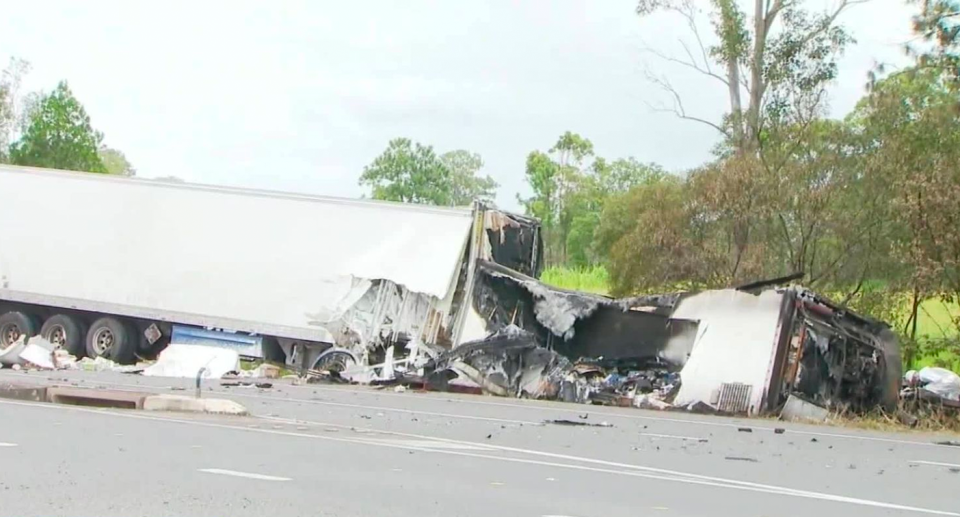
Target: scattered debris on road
[[576, 423]]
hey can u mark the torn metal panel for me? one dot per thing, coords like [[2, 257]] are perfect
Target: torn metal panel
[[367, 315], [799, 410], [554, 309], [379, 313], [509, 362], [581, 324], [615, 335], [735, 343], [640, 345], [513, 241]]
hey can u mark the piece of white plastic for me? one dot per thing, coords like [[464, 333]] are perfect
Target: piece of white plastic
[[187, 360], [931, 374], [38, 356], [941, 382]]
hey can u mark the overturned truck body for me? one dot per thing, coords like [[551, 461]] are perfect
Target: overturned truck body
[[735, 351]]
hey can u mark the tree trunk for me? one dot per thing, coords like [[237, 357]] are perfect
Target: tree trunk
[[757, 85]]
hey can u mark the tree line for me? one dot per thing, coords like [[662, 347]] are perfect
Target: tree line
[[51, 129], [867, 207]]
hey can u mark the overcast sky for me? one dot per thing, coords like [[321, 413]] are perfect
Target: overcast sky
[[301, 95]]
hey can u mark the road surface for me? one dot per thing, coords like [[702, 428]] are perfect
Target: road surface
[[325, 450]]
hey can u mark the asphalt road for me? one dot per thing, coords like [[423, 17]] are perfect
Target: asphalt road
[[349, 451]]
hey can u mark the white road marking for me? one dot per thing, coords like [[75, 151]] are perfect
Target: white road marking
[[613, 414], [690, 438], [608, 414], [534, 406], [248, 475], [634, 470], [432, 444], [936, 463], [3, 444], [659, 474]]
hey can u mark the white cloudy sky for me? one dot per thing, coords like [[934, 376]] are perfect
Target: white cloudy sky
[[300, 95]]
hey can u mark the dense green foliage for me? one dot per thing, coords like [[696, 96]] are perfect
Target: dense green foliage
[[51, 130], [59, 136], [865, 206], [413, 173]]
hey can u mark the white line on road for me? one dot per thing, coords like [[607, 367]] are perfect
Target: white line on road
[[606, 414], [432, 444], [644, 472], [690, 438], [936, 463], [2, 444], [248, 475], [635, 470]]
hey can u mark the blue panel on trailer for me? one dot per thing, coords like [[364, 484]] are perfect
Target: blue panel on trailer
[[245, 344]]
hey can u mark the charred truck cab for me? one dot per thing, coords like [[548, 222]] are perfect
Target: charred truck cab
[[833, 357]]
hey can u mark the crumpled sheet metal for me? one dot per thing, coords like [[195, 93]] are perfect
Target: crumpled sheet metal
[[510, 362], [371, 313], [555, 309]]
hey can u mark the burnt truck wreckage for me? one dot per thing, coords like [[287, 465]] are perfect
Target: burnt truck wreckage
[[745, 350], [730, 350], [388, 292]]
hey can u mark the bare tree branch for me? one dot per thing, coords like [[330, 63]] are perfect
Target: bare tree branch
[[828, 21], [690, 15], [692, 64], [677, 108]]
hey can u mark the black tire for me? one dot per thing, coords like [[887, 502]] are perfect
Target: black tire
[[15, 324], [335, 360], [68, 332], [891, 377], [113, 339]]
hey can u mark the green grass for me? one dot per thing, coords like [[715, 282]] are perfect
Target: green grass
[[936, 321], [590, 279]]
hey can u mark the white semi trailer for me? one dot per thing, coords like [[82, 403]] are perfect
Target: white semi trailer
[[116, 267]]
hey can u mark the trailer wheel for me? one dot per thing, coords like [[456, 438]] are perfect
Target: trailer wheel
[[13, 325], [65, 332], [113, 339], [335, 360]]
